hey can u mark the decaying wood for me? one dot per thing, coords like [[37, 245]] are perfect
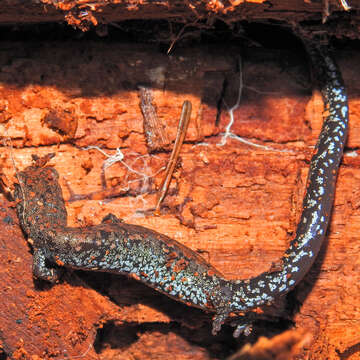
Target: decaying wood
[[154, 129], [199, 13], [236, 204]]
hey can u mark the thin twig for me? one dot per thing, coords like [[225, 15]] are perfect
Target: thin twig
[[180, 135]]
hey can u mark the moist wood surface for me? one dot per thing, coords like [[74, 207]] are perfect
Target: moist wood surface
[[235, 204]]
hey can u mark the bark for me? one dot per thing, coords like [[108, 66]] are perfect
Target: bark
[[84, 14]]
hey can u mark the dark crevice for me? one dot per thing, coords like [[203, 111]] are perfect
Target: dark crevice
[[121, 337], [349, 352], [220, 102]]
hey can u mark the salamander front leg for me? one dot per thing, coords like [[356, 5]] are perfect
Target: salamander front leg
[[41, 269], [219, 319]]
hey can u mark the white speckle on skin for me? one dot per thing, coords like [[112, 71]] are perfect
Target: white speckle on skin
[[344, 110]]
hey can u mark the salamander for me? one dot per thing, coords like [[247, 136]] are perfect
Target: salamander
[[168, 266]]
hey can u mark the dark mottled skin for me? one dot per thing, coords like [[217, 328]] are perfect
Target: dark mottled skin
[[163, 263]]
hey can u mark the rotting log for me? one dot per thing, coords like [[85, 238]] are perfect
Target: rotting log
[[236, 204], [102, 13]]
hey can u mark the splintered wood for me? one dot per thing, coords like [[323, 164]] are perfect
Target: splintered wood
[[154, 129]]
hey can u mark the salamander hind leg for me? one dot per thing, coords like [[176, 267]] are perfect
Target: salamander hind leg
[[221, 300], [41, 269], [243, 325], [219, 319]]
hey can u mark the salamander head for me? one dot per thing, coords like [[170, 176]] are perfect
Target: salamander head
[[39, 200]]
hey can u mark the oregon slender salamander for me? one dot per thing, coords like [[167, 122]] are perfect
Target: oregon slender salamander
[[163, 263]]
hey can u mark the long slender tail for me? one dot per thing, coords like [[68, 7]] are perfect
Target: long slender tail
[[318, 201], [320, 190], [319, 197]]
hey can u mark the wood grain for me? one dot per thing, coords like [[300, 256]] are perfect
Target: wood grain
[[236, 204]]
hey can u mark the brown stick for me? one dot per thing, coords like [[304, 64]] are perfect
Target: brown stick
[[180, 135]]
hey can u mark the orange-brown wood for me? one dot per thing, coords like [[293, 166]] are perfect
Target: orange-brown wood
[[104, 14], [236, 204]]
